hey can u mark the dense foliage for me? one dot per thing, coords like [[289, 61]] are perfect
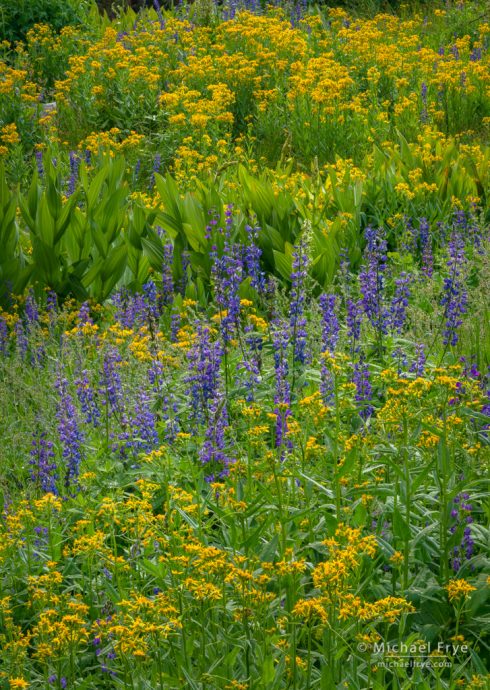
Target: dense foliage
[[245, 349]]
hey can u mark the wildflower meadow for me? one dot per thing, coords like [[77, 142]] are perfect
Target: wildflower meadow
[[244, 345]]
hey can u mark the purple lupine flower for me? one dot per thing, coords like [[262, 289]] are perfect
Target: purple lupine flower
[[74, 167], [330, 336], [409, 238], [364, 391], [158, 9], [212, 223], [156, 168], [84, 314], [425, 240], [134, 311], [4, 337], [297, 320], [87, 399], [461, 514], [251, 259], [185, 263], [213, 453], [228, 220], [142, 422], [155, 376], [71, 438], [111, 389], [31, 309], [21, 342], [399, 303], [476, 54], [455, 296], [137, 169], [474, 231], [204, 375], [250, 364], [175, 321], [282, 397], [330, 322], [150, 294], [371, 279], [418, 364], [401, 360], [52, 304], [227, 274], [43, 467], [39, 163], [354, 321], [167, 291]]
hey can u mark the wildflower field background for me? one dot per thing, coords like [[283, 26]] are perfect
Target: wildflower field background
[[244, 346]]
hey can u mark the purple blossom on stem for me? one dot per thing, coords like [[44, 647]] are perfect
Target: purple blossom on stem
[[330, 322], [158, 10], [31, 309], [330, 336], [227, 274], [213, 453], [43, 468], [418, 364], [364, 391], [455, 296], [251, 259], [150, 294], [4, 337], [111, 387], [282, 397], [71, 438], [142, 425], [461, 515], [399, 304], [87, 399], [297, 320], [425, 240], [74, 167], [52, 304], [372, 281], [39, 163], [167, 274], [204, 375], [354, 320], [21, 341]]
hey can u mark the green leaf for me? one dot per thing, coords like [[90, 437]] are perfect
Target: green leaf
[[400, 527]]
